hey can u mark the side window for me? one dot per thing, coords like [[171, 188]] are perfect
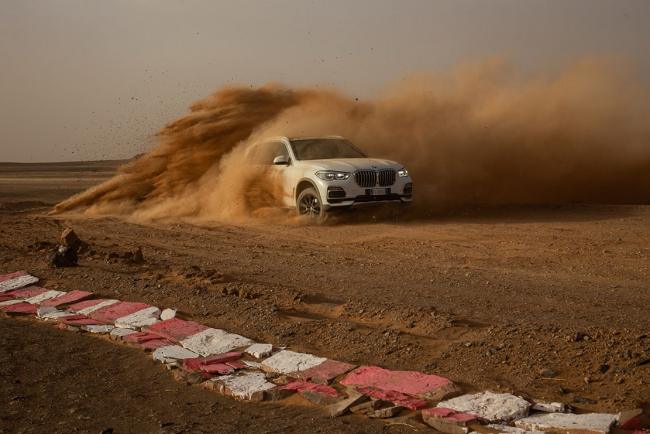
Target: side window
[[264, 153], [277, 149]]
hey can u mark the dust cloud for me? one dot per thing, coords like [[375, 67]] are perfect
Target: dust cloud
[[481, 134]]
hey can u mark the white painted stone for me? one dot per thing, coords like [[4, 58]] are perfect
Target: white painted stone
[[167, 314], [253, 365], [98, 306], [55, 315], [172, 354], [286, 362], [17, 282], [120, 333], [592, 422], [247, 385], [10, 302], [141, 318], [214, 341], [49, 312], [507, 429], [549, 407], [494, 407], [98, 328], [259, 350], [45, 310], [40, 298]]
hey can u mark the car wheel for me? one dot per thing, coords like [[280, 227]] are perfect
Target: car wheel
[[309, 204]]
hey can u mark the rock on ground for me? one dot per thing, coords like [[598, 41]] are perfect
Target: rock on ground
[[17, 281], [494, 407], [592, 422], [287, 362], [248, 386], [100, 329], [214, 341], [167, 314], [259, 350], [119, 333], [407, 382], [507, 429], [70, 239], [44, 296], [172, 353], [86, 307], [141, 318]]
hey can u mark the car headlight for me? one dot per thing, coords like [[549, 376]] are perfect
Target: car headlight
[[403, 173], [332, 175]]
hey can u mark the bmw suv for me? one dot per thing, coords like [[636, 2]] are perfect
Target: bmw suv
[[319, 174]]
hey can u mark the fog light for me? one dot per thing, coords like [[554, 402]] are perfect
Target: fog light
[[335, 193]]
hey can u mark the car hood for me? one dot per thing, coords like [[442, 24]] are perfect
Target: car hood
[[350, 164]]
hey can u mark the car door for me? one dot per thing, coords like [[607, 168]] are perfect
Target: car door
[[281, 171]]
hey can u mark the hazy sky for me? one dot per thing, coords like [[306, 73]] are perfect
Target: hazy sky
[[84, 79]]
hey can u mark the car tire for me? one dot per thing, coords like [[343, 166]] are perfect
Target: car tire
[[309, 204]]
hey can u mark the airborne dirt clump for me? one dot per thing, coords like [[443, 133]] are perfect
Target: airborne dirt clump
[[482, 134]]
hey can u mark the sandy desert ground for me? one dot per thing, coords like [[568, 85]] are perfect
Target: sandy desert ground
[[494, 299]]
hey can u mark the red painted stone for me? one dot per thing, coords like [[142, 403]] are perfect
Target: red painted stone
[[5, 277], [30, 291], [110, 313], [395, 397], [16, 280], [449, 415], [320, 394], [407, 382], [84, 304], [217, 368], [68, 298], [71, 317], [81, 321], [236, 365], [192, 364], [447, 420], [221, 358], [325, 372], [199, 363], [632, 423], [304, 386], [176, 329], [140, 337], [20, 309], [154, 343]]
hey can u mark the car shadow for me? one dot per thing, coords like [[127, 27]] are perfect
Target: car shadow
[[399, 214]]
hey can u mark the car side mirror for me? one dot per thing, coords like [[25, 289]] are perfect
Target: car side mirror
[[281, 160]]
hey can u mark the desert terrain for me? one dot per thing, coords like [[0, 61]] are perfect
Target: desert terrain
[[549, 302]]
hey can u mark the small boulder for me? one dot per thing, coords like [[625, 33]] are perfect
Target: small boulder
[[64, 257], [548, 373], [136, 256], [71, 240], [167, 314]]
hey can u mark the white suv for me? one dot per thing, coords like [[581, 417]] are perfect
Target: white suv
[[322, 173]]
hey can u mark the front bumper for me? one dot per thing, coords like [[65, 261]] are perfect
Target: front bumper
[[347, 193]]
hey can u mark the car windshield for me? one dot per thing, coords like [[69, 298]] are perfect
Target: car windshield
[[322, 149]]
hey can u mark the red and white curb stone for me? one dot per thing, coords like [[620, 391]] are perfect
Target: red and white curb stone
[[237, 366]]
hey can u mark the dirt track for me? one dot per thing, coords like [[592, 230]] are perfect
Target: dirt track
[[489, 299], [56, 381]]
